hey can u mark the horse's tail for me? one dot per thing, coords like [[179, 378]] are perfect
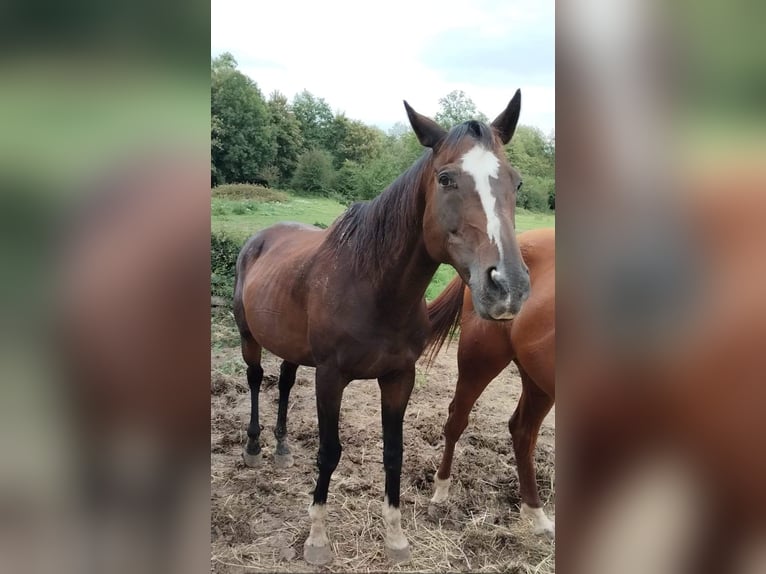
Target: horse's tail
[[444, 315]]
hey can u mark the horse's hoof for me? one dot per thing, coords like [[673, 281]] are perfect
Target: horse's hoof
[[283, 460], [398, 555], [440, 497], [251, 460], [317, 555], [541, 524]]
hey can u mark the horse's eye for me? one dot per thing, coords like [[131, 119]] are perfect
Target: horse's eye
[[518, 187], [444, 180]]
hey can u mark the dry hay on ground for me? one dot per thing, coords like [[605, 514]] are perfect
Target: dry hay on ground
[[259, 516]]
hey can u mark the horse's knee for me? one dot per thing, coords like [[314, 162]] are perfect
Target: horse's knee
[[287, 374], [329, 456], [254, 377]]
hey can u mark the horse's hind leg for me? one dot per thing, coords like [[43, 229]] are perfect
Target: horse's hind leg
[[251, 352], [524, 425], [283, 458]]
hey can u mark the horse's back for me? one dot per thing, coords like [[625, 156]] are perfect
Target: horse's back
[[272, 286]]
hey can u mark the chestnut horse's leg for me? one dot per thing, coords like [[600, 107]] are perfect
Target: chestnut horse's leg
[[474, 376], [251, 352], [395, 390], [524, 425], [282, 456], [329, 392]]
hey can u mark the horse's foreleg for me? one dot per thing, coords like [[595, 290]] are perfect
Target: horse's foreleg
[[395, 392], [471, 382], [329, 392], [524, 425], [282, 456]]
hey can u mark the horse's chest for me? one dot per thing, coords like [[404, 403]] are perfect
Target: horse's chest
[[371, 353]]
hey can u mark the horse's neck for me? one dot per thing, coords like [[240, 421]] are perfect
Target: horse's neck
[[407, 275]]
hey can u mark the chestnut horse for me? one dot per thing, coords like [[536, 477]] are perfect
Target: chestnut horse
[[349, 300], [486, 347]]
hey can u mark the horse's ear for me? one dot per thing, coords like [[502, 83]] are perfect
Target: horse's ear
[[428, 132], [505, 123]]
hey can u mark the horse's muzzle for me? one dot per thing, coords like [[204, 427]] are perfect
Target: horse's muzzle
[[499, 294]]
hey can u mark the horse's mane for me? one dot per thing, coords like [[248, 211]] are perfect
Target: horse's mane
[[381, 229]]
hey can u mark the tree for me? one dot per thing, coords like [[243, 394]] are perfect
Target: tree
[[315, 118], [244, 140], [359, 142], [456, 107], [314, 172], [287, 132], [534, 156]]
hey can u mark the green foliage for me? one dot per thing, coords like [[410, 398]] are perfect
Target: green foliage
[[223, 259], [533, 194], [533, 155], [356, 141], [242, 139], [357, 181], [455, 108], [315, 119], [289, 139], [314, 174]]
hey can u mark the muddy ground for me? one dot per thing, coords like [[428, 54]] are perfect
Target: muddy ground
[[259, 516]]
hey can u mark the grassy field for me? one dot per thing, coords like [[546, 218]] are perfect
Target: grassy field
[[240, 218]]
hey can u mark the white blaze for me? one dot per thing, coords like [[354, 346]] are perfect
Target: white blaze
[[482, 164]]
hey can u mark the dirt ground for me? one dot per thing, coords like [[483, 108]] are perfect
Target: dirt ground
[[260, 518]]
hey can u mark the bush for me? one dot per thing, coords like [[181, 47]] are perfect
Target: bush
[[314, 173], [533, 195], [223, 259], [250, 191], [356, 182]]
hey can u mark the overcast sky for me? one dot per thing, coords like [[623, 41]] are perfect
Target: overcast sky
[[364, 58]]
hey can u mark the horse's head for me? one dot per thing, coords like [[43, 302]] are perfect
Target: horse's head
[[470, 208]]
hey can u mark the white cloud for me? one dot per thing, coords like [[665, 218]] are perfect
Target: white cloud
[[365, 58]]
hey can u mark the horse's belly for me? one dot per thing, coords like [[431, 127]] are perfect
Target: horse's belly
[[276, 319], [281, 336]]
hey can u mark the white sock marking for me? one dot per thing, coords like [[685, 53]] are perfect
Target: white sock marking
[[395, 538], [482, 164], [318, 533], [540, 522], [441, 489]]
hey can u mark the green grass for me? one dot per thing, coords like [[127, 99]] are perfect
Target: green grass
[[241, 218], [526, 220]]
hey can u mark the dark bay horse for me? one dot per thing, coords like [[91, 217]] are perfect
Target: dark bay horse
[[349, 300], [486, 347]]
